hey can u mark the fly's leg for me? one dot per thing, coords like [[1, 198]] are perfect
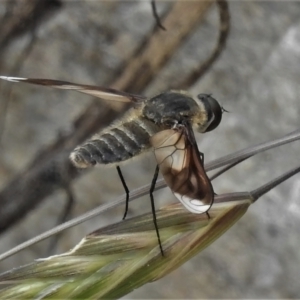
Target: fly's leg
[[153, 207], [126, 191]]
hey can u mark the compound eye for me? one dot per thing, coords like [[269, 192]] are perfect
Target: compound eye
[[214, 111]]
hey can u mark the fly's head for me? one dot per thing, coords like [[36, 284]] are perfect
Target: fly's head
[[209, 115]]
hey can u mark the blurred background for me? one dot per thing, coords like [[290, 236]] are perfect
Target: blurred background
[[256, 79]]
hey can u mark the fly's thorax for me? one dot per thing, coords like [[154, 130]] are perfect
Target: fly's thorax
[[171, 107]]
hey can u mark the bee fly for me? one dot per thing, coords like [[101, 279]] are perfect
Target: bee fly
[[163, 123]]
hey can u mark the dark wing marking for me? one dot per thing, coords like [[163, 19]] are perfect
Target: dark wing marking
[[96, 91], [179, 160]]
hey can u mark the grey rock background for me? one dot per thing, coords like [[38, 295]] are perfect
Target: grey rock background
[[257, 80]]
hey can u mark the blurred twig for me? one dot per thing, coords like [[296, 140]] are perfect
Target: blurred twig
[[7, 91], [23, 16], [161, 45], [197, 73], [156, 16]]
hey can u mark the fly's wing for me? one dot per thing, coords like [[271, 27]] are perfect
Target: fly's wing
[[96, 91], [178, 157]]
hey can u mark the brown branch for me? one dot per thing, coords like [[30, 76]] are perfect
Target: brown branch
[[22, 16], [215, 54], [161, 46], [45, 173]]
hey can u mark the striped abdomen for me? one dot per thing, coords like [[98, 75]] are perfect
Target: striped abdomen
[[116, 144]]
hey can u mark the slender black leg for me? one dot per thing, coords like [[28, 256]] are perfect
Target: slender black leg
[[126, 191], [153, 208]]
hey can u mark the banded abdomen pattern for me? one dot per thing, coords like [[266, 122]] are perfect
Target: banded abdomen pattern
[[115, 144]]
